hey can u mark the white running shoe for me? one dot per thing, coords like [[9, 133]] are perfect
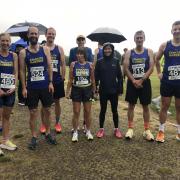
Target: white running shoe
[[1, 153], [178, 137], [75, 137], [148, 135], [129, 134], [89, 135], [8, 145]]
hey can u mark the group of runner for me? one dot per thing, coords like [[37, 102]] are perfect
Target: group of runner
[[42, 74]]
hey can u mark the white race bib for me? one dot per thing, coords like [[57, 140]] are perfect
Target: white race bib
[[174, 72], [82, 81], [54, 65], [7, 81], [138, 70], [37, 73]]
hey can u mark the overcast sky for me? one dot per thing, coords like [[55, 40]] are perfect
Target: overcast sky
[[73, 17]]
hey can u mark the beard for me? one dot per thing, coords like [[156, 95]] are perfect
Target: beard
[[33, 40]]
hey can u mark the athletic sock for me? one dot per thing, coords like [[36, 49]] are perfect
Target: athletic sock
[[146, 125], [178, 128], [130, 124], [161, 127]]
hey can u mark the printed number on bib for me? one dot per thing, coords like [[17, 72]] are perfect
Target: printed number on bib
[[174, 72], [37, 73], [54, 65], [82, 81], [7, 81], [138, 70]]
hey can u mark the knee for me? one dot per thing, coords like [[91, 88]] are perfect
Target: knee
[[33, 112]]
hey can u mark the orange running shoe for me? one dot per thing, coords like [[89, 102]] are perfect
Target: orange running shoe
[[160, 137], [42, 129], [100, 133], [58, 127]]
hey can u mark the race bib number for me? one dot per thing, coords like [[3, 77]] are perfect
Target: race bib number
[[174, 72], [55, 65], [138, 70], [82, 81], [37, 73], [7, 81]]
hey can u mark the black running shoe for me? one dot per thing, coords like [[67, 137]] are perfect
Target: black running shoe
[[32, 145], [50, 139]]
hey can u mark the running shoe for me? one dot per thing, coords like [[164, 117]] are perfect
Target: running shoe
[[42, 129], [75, 137], [1, 153], [89, 135], [160, 137], [58, 127], [32, 145], [72, 130], [21, 103], [100, 133], [129, 135], [178, 137], [117, 133], [148, 135], [8, 145], [50, 139]]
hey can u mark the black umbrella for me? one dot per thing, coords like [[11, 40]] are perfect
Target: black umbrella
[[20, 29], [105, 34]]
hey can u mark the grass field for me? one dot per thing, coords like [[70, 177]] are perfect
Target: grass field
[[101, 159]]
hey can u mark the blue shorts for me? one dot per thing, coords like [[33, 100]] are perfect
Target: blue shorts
[[59, 90], [7, 101]]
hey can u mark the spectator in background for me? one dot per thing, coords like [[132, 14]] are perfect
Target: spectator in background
[[80, 40]]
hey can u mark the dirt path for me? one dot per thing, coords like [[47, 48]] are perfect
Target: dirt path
[[107, 158]]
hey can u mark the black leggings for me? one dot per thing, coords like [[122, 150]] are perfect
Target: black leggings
[[114, 103]]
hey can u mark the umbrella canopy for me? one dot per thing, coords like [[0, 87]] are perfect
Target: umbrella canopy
[[20, 29], [19, 42], [105, 34]]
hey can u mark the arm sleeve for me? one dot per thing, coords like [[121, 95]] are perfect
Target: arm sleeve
[[97, 78], [120, 79]]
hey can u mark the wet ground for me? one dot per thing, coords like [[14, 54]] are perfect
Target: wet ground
[[106, 158]]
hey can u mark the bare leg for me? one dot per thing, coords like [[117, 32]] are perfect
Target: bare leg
[[76, 113]]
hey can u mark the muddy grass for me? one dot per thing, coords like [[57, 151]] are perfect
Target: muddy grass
[[107, 158]]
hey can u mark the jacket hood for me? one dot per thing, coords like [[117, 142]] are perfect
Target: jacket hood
[[111, 46]]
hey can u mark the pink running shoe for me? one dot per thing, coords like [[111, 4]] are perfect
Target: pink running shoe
[[117, 133], [100, 133]]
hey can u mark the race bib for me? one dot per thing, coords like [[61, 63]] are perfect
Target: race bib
[[174, 72], [37, 73], [54, 65], [7, 81], [82, 81], [138, 70]]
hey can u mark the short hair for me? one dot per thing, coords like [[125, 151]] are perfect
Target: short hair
[[48, 29], [176, 23], [5, 34], [82, 51], [139, 32], [32, 27]]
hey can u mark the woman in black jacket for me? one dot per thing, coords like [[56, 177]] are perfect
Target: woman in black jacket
[[109, 83]]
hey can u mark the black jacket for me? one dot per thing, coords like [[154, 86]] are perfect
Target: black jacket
[[108, 76]]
